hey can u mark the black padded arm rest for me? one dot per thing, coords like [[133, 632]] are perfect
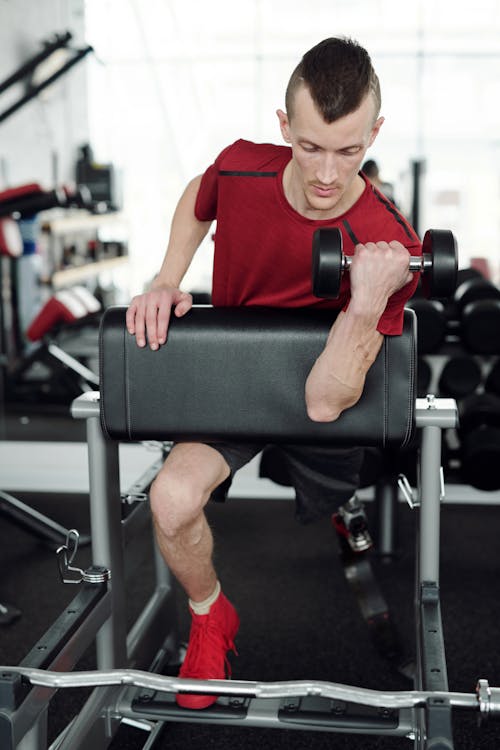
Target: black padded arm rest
[[239, 374]]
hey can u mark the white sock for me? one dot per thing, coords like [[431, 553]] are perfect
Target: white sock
[[203, 608]]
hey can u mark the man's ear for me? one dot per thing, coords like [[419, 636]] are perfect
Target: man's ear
[[375, 130], [284, 125]]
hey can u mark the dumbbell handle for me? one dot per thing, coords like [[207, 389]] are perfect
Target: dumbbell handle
[[417, 262]]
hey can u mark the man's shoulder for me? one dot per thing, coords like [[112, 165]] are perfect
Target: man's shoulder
[[247, 156], [379, 215]]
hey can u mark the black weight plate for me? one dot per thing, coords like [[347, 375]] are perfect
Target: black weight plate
[[327, 263], [480, 326], [440, 281]]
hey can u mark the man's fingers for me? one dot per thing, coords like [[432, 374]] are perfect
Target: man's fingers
[[148, 315], [163, 319], [184, 305], [135, 321], [130, 317], [152, 325]]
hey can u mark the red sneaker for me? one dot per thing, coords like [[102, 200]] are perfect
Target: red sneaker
[[211, 637]]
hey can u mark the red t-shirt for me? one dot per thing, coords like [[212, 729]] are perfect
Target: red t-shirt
[[263, 247]]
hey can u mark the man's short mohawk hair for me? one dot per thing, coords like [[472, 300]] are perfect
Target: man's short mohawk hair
[[338, 73]]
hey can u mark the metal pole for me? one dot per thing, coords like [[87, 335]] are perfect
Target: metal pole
[[430, 500], [106, 531]]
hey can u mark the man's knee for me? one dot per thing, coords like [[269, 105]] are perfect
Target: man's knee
[[184, 485], [175, 500]]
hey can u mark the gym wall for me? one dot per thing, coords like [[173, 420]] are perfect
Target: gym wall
[[38, 143]]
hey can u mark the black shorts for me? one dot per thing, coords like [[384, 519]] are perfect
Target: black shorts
[[323, 477]]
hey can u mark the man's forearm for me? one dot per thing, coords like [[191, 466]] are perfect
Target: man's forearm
[[337, 378], [186, 235], [148, 315]]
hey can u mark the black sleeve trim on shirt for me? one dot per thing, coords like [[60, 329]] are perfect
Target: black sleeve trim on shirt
[[350, 232], [392, 209], [227, 173]]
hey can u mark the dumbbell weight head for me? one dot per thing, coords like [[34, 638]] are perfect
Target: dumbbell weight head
[[464, 274], [440, 277], [327, 263], [431, 323], [479, 433], [480, 456], [474, 289], [459, 377], [477, 410], [438, 263], [477, 302], [480, 326]]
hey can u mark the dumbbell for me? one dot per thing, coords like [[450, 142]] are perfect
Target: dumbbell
[[464, 274], [479, 434], [477, 302], [459, 377], [438, 263], [432, 323]]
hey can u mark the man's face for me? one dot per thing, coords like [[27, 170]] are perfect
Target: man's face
[[326, 157]]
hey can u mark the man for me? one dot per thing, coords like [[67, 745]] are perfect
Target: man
[[268, 200]]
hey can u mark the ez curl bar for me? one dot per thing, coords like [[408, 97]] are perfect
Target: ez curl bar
[[485, 699]]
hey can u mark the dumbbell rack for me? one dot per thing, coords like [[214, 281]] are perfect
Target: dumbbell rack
[[459, 348], [127, 685], [458, 490]]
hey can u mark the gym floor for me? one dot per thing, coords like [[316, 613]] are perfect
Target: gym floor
[[299, 618]]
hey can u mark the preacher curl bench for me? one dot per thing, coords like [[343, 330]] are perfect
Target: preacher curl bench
[[231, 374]]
